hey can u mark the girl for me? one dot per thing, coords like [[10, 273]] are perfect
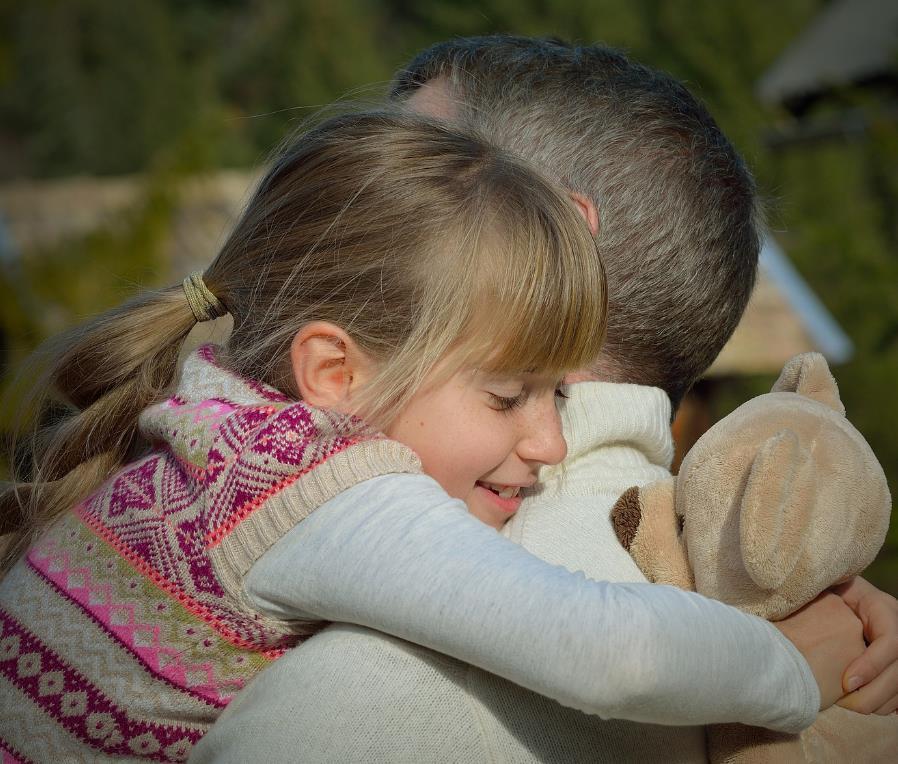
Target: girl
[[391, 276]]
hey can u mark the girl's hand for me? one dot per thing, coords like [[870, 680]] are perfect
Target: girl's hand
[[830, 637], [876, 671]]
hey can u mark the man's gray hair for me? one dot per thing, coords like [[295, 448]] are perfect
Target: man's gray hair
[[678, 216]]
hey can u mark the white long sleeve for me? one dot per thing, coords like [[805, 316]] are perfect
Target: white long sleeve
[[396, 554]]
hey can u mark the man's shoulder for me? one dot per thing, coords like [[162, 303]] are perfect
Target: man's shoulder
[[357, 655], [351, 694]]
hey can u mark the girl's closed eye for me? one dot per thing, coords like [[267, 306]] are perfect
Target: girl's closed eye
[[508, 403]]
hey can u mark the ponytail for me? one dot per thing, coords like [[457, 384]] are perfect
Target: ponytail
[[98, 377]]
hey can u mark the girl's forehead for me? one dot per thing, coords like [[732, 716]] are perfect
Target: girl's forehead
[[528, 376]]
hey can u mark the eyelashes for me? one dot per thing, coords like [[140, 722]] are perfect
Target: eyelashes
[[505, 403]]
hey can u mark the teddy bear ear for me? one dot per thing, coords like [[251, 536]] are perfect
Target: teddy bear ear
[[777, 510], [808, 374]]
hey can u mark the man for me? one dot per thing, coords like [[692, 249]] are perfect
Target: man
[[674, 211]]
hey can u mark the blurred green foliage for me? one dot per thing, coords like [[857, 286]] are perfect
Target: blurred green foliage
[[167, 88]]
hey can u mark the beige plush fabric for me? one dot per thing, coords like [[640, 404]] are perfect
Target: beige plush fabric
[[838, 736], [774, 504]]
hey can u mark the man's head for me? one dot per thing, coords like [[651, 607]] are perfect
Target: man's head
[[677, 215]]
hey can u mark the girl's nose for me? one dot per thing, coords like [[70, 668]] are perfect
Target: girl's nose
[[543, 441]]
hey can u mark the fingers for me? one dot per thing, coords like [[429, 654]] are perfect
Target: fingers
[[888, 708], [854, 592], [876, 661], [874, 675], [880, 696], [830, 637], [852, 704], [877, 610]]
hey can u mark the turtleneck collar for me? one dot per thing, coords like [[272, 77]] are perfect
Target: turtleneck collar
[[613, 426]]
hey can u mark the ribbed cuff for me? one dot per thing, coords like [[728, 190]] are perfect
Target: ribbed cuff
[[803, 696], [292, 503]]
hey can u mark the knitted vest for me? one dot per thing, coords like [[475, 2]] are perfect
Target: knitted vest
[[125, 630]]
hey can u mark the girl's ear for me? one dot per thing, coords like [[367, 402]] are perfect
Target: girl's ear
[[328, 366]]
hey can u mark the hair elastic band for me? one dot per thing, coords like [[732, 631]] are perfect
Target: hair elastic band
[[203, 303]]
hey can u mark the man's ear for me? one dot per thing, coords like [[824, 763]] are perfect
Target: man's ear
[[434, 99], [328, 366], [588, 209]]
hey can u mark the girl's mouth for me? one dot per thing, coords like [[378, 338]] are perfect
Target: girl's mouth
[[502, 491], [506, 497]]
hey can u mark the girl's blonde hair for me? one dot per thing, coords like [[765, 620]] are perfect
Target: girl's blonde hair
[[422, 243]]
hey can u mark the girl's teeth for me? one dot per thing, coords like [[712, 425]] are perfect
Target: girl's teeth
[[505, 491]]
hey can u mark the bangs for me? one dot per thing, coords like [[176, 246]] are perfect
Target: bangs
[[508, 280], [538, 299]]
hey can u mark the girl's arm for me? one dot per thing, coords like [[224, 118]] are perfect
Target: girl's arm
[[397, 555]]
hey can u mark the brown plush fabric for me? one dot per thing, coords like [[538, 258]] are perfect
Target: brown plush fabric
[[625, 517], [778, 501]]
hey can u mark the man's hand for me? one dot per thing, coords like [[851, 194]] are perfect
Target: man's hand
[[830, 637], [871, 680]]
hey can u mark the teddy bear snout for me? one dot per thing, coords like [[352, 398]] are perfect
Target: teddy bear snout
[[626, 516]]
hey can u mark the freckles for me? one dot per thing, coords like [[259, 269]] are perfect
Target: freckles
[[421, 423]]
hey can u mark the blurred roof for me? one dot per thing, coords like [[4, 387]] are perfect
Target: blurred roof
[[784, 317], [850, 41], [43, 213]]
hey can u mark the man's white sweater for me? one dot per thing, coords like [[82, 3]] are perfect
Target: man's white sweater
[[351, 694], [618, 436]]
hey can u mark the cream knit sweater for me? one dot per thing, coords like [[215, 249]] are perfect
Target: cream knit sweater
[[354, 695]]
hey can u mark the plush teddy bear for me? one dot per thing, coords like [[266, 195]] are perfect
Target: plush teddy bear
[[774, 504]]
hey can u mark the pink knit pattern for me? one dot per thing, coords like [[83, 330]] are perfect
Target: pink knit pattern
[[139, 621], [134, 572], [7, 757], [79, 706]]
